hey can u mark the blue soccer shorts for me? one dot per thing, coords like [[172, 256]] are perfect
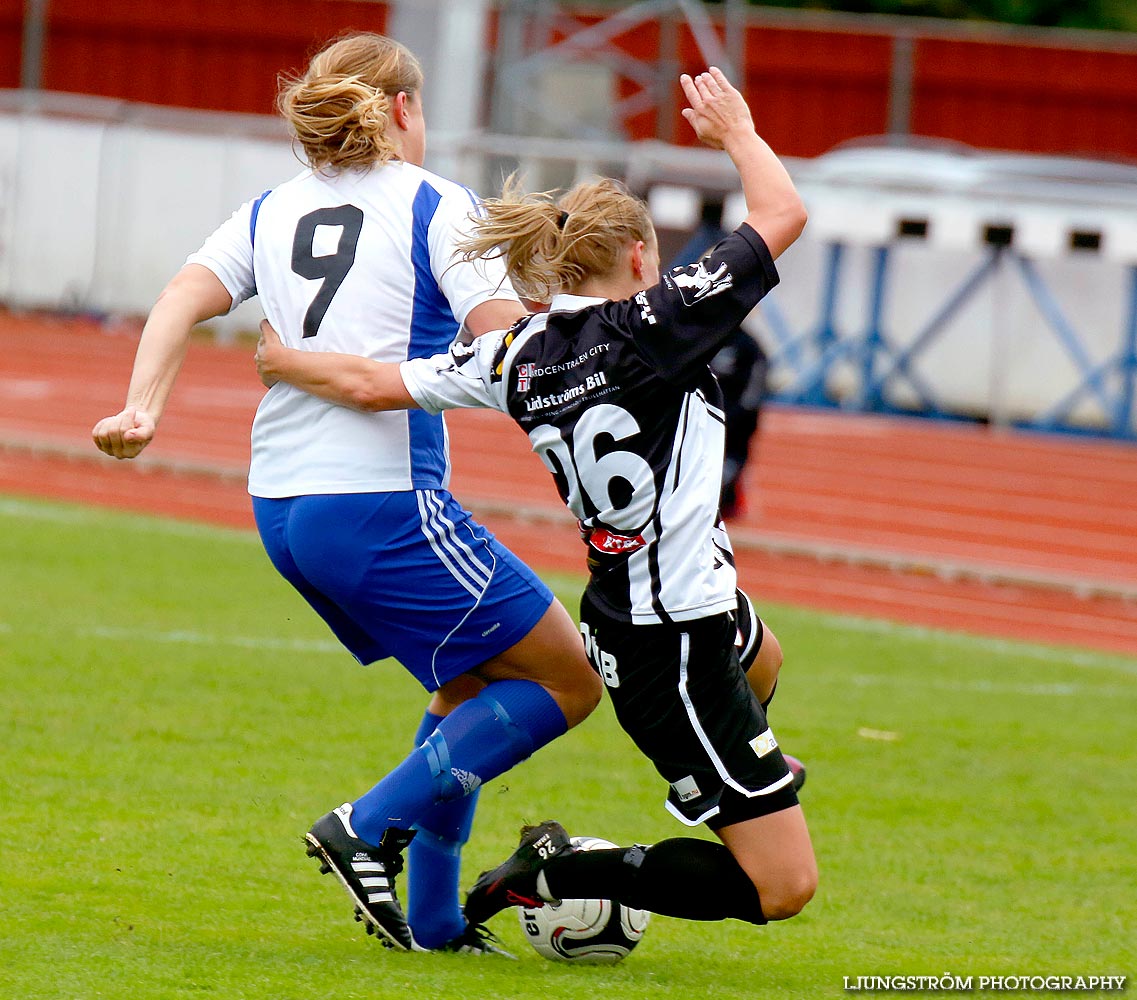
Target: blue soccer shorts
[[409, 575]]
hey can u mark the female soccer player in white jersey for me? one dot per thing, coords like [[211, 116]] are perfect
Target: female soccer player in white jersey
[[357, 254], [613, 387]]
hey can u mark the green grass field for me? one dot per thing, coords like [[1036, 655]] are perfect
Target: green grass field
[[175, 718]]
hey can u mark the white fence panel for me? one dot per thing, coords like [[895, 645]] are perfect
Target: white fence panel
[[1000, 287]]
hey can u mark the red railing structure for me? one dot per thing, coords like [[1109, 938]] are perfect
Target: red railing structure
[[210, 54], [815, 80]]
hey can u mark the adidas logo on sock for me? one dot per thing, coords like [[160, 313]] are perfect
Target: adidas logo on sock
[[466, 779]]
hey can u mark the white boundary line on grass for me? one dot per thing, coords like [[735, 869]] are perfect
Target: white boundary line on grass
[[1007, 647], [45, 448], [45, 511], [1059, 689], [191, 638], [1055, 689]]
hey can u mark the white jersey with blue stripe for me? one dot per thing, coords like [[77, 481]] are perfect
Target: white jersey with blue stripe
[[357, 262]]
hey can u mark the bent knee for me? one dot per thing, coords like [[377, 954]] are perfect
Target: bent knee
[[771, 648], [789, 897], [572, 682], [581, 696]]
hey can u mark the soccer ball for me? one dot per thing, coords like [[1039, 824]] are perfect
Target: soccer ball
[[588, 931]]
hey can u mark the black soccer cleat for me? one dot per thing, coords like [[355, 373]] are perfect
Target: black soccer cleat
[[476, 939], [797, 769], [367, 873], [516, 881]]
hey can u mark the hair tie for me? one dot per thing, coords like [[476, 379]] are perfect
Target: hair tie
[[562, 219]]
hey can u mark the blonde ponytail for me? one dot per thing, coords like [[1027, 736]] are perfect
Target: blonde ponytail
[[340, 108], [552, 244]]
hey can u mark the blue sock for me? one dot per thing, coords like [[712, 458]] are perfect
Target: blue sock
[[480, 739], [434, 860]]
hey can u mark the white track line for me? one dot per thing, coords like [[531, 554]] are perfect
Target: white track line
[[945, 568], [1008, 647], [45, 510], [192, 638], [1058, 689]]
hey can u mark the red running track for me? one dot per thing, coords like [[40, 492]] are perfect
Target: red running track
[[996, 533]]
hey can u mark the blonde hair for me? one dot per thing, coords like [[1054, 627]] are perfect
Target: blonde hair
[[553, 244], [339, 109]]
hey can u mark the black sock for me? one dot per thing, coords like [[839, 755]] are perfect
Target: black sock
[[680, 877]]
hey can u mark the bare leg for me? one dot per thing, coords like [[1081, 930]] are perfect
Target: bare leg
[[763, 672], [552, 655], [777, 854], [453, 693]]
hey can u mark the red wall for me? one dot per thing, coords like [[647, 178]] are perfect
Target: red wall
[[11, 27], [809, 88], [192, 53], [1027, 97]]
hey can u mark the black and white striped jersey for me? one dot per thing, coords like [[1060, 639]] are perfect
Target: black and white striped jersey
[[619, 403]]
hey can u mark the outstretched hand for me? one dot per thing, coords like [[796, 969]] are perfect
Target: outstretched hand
[[267, 347], [716, 108], [125, 434]]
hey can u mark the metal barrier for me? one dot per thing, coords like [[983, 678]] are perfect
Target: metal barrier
[[953, 284], [1040, 251]]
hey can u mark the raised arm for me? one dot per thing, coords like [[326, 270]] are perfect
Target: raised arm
[[721, 119], [347, 379], [193, 295]]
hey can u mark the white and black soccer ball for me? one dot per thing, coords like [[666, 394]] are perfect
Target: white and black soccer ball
[[588, 931]]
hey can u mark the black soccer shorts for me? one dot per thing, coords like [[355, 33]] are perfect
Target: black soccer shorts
[[680, 694]]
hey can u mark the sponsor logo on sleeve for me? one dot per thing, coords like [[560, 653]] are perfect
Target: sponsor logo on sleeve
[[696, 283], [461, 352], [645, 308], [498, 371]]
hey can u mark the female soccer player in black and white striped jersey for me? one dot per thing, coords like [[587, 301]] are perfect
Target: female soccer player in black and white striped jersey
[[613, 388]]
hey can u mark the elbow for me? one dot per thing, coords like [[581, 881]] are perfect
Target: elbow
[[361, 384], [196, 294], [796, 216], [781, 226], [372, 392], [367, 399], [178, 299]]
